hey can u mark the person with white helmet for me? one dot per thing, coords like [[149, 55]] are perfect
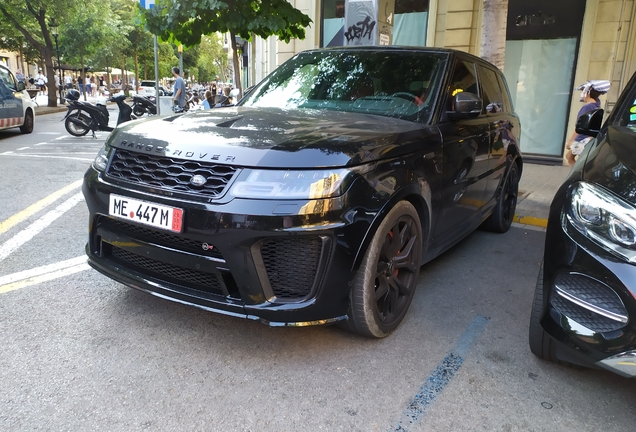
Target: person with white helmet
[[590, 91]]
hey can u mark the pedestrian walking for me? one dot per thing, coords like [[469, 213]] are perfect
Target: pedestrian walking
[[179, 89], [89, 88], [40, 79], [590, 91]]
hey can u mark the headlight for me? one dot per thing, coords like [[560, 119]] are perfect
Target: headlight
[[101, 160], [293, 184], [604, 218]]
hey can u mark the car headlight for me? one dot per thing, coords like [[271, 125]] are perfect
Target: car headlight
[[101, 160], [604, 218], [293, 184]]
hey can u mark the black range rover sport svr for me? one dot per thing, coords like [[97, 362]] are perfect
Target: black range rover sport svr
[[315, 199]]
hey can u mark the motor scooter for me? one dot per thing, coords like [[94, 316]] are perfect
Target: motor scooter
[[143, 105], [83, 117]]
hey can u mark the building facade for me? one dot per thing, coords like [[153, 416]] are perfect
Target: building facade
[[14, 62], [551, 48]]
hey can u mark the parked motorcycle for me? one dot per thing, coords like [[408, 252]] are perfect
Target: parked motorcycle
[[143, 105], [83, 117]]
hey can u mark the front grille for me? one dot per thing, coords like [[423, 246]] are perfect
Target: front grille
[[159, 237], [198, 280], [592, 292], [292, 265], [168, 173]]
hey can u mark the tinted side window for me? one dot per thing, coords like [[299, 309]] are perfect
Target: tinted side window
[[492, 93], [505, 93], [464, 78]]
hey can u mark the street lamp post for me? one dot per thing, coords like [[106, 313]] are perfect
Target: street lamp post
[[54, 31]]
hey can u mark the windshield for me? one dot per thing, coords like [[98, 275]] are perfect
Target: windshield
[[401, 84]]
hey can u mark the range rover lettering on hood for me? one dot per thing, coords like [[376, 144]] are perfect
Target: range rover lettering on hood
[[167, 151]]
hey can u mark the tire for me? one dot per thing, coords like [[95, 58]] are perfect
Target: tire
[[138, 111], [541, 343], [503, 213], [75, 129], [27, 126], [385, 282]]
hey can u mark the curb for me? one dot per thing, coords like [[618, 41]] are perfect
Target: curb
[[49, 110], [530, 220]]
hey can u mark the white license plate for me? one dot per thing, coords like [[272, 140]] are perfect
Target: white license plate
[[147, 213]]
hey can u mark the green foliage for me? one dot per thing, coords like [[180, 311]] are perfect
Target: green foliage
[[185, 21], [212, 59], [14, 40]]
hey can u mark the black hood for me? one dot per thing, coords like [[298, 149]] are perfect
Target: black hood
[[612, 162], [272, 138]]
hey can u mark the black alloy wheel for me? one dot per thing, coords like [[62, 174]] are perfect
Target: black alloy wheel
[[27, 125], [385, 283], [504, 212]]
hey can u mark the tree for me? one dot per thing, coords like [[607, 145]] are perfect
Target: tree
[[212, 60], [32, 18], [84, 34], [13, 40], [185, 21], [493, 33]]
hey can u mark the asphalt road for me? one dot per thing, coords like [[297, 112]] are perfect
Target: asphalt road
[[81, 352]]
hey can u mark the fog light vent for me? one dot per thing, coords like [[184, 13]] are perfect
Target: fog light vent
[[588, 302]]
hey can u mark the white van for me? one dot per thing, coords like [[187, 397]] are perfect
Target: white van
[[16, 107]]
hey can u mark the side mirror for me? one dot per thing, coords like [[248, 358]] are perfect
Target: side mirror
[[467, 105], [590, 122], [21, 86]]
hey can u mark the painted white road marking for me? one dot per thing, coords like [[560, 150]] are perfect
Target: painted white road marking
[[22, 148], [43, 278], [34, 208], [42, 270], [36, 227], [47, 156]]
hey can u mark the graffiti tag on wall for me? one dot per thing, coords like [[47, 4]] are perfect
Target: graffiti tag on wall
[[360, 30]]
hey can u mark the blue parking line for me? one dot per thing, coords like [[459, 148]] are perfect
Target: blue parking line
[[441, 376]]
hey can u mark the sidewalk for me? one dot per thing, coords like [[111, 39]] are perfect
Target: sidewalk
[[42, 101], [537, 187]]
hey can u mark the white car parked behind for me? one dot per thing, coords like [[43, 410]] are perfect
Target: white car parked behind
[[16, 107]]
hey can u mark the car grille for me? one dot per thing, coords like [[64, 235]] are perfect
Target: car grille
[[207, 282], [159, 237], [169, 173], [292, 265], [593, 293]]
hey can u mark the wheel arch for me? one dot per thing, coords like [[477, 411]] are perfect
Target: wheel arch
[[419, 197]]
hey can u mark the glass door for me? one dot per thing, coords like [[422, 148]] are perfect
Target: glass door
[[542, 39], [539, 74]]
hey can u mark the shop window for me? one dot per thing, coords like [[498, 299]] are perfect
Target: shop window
[[333, 14], [410, 24]]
